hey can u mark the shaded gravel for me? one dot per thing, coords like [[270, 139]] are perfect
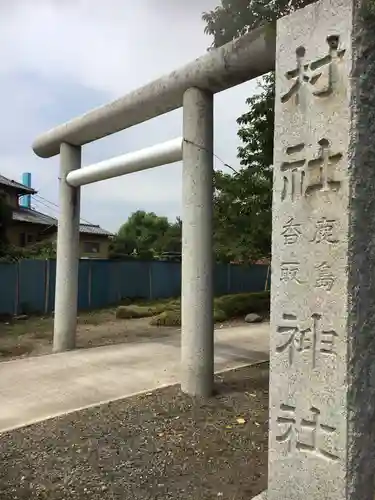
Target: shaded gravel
[[160, 445]]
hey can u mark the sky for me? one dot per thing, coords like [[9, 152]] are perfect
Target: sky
[[61, 58]]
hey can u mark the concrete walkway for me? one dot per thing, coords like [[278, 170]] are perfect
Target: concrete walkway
[[37, 388]]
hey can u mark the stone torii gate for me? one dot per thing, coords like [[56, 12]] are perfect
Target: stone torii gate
[[192, 87], [322, 343]]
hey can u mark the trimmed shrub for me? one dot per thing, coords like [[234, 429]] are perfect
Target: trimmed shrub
[[133, 311], [167, 318], [243, 303], [168, 313], [219, 316], [172, 317]]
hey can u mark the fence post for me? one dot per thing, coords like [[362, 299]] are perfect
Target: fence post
[[267, 277], [117, 267], [47, 277], [89, 284], [150, 287], [17, 289], [229, 281]]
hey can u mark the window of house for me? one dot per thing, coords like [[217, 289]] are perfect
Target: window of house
[[91, 247], [5, 197], [26, 238], [22, 239]]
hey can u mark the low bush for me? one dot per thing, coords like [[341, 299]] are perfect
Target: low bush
[[167, 318], [241, 304], [172, 317], [219, 316], [168, 313], [134, 311]]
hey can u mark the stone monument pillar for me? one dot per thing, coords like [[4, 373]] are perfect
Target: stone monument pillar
[[322, 387]]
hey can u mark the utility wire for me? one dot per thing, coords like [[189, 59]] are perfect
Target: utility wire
[[214, 154], [43, 201], [46, 203]]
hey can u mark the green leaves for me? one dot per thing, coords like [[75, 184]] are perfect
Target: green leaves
[[146, 235], [243, 202], [234, 18], [241, 217]]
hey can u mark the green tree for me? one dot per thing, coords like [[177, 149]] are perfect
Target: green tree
[[146, 235], [243, 201], [234, 18], [121, 247], [171, 240]]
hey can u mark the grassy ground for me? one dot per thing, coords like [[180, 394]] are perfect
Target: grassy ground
[[33, 336], [160, 445]]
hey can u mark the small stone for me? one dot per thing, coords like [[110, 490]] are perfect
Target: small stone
[[21, 317], [253, 318]]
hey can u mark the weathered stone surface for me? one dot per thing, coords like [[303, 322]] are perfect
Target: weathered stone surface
[[322, 387], [261, 496], [253, 318]]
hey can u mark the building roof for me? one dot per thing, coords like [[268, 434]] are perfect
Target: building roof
[[21, 188], [22, 214], [94, 229], [29, 215]]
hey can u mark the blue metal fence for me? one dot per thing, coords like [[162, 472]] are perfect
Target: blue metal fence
[[28, 286]]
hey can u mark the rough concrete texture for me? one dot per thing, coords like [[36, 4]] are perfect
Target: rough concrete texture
[[37, 388], [67, 260], [197, 254], [322, 386], [236, 62]]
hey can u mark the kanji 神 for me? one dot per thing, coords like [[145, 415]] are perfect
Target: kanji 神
[[321, 169], [293, 171], [304, 434], [325, 279], [312, 338], [308, 75], [324, 231], [291, 232]]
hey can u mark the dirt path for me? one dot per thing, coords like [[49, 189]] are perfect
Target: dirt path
[[33, 336]]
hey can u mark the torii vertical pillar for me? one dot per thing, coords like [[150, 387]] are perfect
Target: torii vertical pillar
[[197, 346], [66, 294]]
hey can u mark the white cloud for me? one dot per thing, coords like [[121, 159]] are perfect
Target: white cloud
[[51, 51]]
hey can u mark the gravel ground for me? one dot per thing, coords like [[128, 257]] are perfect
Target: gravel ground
[[159, 445]]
